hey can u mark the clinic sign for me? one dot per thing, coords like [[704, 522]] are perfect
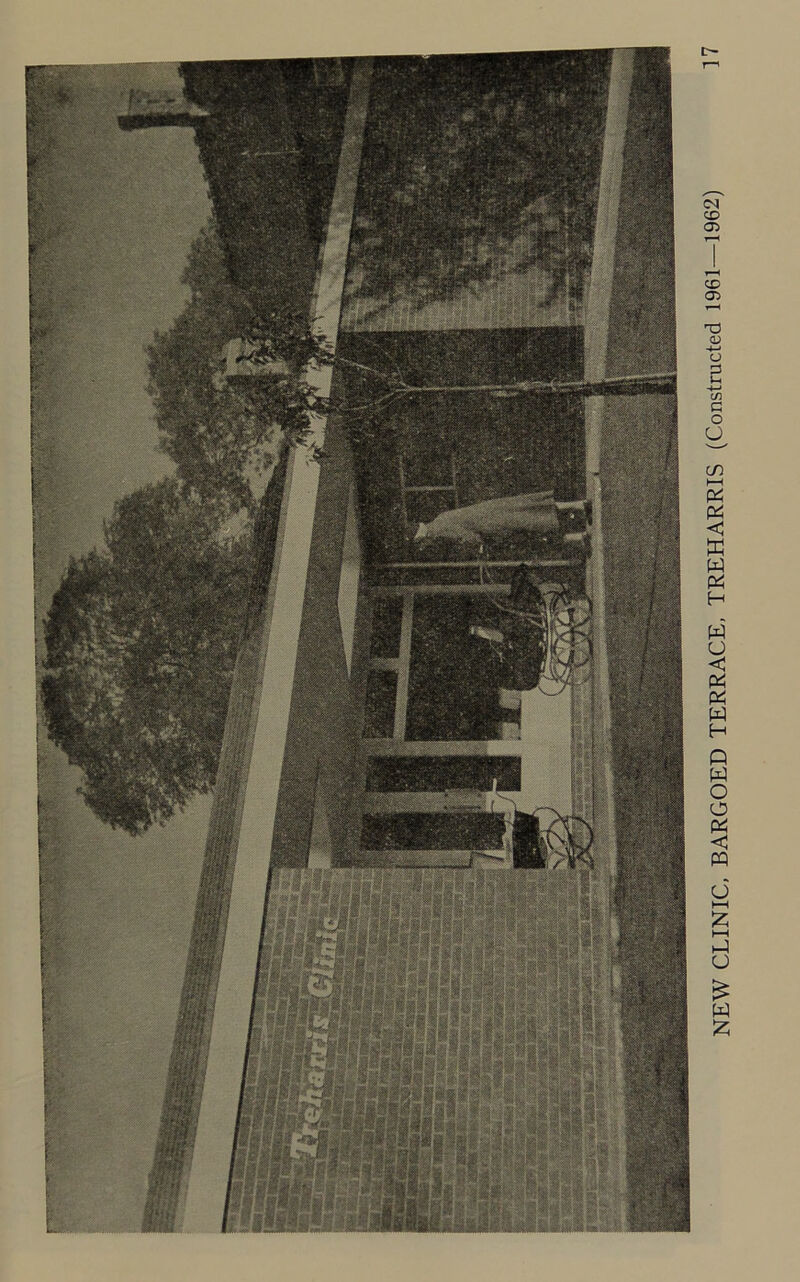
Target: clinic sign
[[319, 986]]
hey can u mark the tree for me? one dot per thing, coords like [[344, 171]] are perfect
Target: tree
[[222, 439], [374, 388], [223, 435], [141, 640]]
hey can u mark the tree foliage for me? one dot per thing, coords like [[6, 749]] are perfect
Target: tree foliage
[[141, 640], [221, 439], [142, 633], [223, 435]]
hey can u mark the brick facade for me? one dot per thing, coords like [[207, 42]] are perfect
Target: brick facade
[[464, 1080]]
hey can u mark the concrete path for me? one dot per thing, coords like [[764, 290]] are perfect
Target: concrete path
[[633, 470]]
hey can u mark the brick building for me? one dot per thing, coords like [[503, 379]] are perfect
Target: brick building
[[385, 1024], [444, 1067]]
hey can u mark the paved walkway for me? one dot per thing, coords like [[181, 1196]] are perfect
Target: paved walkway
[[634, 458]]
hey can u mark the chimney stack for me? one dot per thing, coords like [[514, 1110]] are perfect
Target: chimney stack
[[152, 108]]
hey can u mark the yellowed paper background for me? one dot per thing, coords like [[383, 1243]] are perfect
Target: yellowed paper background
[[744, 1108]]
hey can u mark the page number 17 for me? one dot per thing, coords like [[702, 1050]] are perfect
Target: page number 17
[[706, 54]]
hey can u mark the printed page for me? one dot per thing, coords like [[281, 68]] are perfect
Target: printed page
[[393, 414]]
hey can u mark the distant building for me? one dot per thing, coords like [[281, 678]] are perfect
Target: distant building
[[152, 108]]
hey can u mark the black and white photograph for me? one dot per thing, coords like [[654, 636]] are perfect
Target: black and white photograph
[[357, 568]]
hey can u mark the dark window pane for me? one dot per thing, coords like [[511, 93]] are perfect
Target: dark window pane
[[438, 774], [429, 464], [479, 831], [386, 618], [454, 679], [379, 710]]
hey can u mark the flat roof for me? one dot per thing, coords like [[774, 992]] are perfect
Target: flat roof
[[188, 1180]]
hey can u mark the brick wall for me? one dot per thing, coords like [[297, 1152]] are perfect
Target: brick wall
[[461, 1061]]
